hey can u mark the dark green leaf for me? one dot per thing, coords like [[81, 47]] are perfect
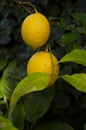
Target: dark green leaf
[[77, 80], [62, 102], [69, 37], [33, 82], [4, 39], [5, 124], [63, 22], [37, 103], [4, 23], [81, 30], [9, 79], [85, 126], [54, 126], [3, 63], [77, 56], [5, 31], [81, 17], [54, 21], [18, 116], [1, 93]]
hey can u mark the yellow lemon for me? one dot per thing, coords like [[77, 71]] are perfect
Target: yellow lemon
[[35, 30], [45, 62]]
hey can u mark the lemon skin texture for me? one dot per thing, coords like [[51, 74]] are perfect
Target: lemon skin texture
[[35, 30], [44, 62]]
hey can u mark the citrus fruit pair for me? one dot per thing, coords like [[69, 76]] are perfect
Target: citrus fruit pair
[[35, 30]]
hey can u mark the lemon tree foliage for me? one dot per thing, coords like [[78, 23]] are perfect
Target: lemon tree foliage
[[69, 37], [54, 126], [27, 100], [77, 56], [10, 78], [77, 81], [5, 124], [18, 116], [1, 93], [3, 63], [38, 103], [33, 82], [80, 17]]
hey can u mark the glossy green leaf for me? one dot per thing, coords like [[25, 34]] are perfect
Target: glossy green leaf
[[69, 37], [18, 116], [5, 124], [9, 79], [77, 56], [54, 126], [77, 80], [33, 82], [37, 103], [81, 17], [3, 63]]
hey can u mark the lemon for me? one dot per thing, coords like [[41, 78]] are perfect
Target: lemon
[[35, 30], [45, 62]]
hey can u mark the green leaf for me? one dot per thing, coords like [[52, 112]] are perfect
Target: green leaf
[[9, 79], [18, 116], [62, 104], [81, 30], [81, 17], [5, 124], [33, 82], [54, 21], [1, 93], [77, 56], [69, 37], [37, 103], [57, 125], [77, 80], [85, 126], [3, 63], [5, 31]]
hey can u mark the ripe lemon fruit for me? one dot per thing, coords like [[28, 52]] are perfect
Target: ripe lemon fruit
[[35, 30], [45, 62]]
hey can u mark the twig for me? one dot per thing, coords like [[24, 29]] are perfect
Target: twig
[[22, 5]]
